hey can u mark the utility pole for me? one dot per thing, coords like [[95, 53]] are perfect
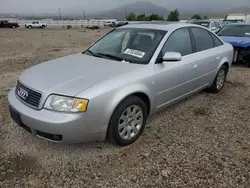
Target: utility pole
[[83, 12], [125, 12], [33, 16], [60, 16]]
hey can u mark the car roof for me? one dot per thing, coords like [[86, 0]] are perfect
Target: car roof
[[239, 23], [203, 20], [166, 26]]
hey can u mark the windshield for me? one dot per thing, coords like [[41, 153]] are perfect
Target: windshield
[[131, 44], [204, 24], [235, 30]]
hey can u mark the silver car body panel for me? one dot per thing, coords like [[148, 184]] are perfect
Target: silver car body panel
[[106, 83]]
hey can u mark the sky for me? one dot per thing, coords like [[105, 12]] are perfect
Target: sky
[[90, 6]]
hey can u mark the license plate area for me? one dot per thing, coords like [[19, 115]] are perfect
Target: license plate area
[[16, 117]]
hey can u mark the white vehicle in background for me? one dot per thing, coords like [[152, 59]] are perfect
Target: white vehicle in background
[[239, 16], [110, 22], [212, 25], [35, 24]]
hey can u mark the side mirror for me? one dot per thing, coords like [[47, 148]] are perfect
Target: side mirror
[[172, 56]]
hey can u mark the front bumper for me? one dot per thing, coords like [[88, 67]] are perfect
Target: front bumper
[[56, 126]]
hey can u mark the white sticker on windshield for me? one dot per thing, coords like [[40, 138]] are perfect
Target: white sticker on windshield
[[135, 53]]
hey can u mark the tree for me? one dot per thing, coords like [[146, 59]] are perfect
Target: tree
[[205, 17], [174, 15], [131, 17], [197, 17], [155, 17], [142, 17]]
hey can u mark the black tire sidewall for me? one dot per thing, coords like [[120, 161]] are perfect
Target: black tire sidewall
[[113, 133], [215, 81]]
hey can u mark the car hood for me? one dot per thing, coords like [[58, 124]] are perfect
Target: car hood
[[237, 41], [72, 74]]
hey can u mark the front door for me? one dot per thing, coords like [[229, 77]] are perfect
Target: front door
[[174, 79]]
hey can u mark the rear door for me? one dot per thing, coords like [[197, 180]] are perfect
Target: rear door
[[207, 54]]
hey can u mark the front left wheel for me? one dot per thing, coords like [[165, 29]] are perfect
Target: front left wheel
[[127, 121]]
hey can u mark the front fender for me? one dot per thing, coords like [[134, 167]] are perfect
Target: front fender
[[128, 90], [102, 106]]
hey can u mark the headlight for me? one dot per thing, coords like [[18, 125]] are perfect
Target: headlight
[[66, 104]]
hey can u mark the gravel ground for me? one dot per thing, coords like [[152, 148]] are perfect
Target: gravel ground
[[200, 142]]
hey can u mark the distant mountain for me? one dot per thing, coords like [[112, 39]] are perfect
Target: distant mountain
[[142, 7]]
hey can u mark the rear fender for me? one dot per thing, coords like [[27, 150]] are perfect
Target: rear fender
[[223, 61]]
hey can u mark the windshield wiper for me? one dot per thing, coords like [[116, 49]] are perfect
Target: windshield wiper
[[92, 53], [106, 55], [110, 56]]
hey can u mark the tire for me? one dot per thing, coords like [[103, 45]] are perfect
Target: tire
[[13, 27], [122, 122], [219, 80], [29, 26], [43, 26]]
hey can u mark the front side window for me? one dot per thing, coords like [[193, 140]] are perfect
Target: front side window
[[238, 30], [179, 41], [202, 39], [129, 44]]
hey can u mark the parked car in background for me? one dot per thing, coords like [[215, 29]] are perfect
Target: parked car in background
[[7, 24], [238, 35], [244, 17], [225, 22], [109, 90], [35, 25], [93, 27], [109, 23], [119, 24], [212, 25]]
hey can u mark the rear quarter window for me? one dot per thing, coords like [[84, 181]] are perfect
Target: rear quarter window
[[217, 41]]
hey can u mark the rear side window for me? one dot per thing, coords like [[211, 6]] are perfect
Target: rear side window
[[202, 39], [217, 25], [213, 25], [217, 42]]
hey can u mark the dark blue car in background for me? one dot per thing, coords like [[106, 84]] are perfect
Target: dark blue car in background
[[238, 35]]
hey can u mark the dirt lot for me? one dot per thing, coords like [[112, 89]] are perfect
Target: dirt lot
[[201, 142]]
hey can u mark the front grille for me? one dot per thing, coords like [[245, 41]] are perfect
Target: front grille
[[30, 97]]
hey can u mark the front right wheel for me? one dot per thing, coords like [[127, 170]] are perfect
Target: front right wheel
[[219, 80], [127, 121]]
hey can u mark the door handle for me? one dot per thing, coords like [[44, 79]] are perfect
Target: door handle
[[194, 64]]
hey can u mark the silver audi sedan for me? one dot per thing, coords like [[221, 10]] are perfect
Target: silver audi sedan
[[108, 91]]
